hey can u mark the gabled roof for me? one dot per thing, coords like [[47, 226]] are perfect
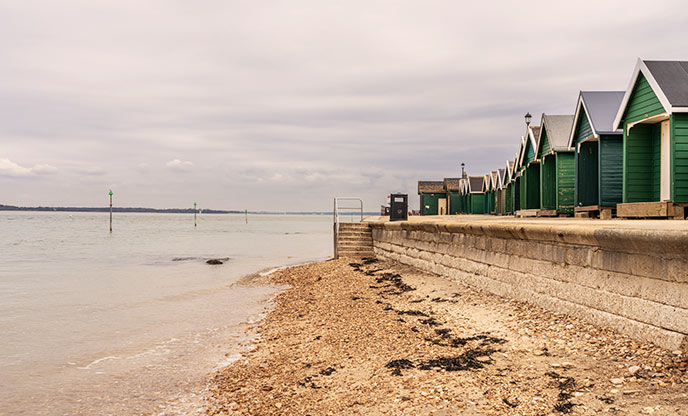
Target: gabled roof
[[430, 187], [558, 129], [669, 82], [500, 177], [486, 183], [451, 184], [494, 184], [533, 134], [508, 172], [600, 107], [462, 185], [475, 184], [518, 161]]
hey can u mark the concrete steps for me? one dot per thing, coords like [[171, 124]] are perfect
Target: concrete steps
[[354, 239]]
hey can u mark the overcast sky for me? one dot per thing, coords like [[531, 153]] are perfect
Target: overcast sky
[[283, 105]]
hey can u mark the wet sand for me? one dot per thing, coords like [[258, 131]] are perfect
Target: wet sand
[[369, 337]]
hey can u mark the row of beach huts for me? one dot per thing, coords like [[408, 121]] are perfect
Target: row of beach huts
[[622, 153]]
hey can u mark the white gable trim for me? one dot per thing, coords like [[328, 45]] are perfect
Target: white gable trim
[[581, 104], [641, 67]]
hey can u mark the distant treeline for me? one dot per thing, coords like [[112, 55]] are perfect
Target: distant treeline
[[159, 211]]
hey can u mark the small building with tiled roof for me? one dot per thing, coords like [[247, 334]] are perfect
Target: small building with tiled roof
[[557, 169], [452, 188], [430, 193]]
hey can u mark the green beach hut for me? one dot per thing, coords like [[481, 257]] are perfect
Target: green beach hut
[[452, 188], [557, 167], [508, 187], [432, 197], [598, 154], [476, 196], [530, 172], [501, 192], [653, 116], [516, 177]]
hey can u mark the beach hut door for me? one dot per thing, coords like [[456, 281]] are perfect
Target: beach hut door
[[442, 206], [665, 192]]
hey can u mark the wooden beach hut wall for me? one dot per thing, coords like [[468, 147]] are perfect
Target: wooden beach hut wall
[[508, 185], [598, 153], [516, 179], [463, 190], [654, 118], [431, 195], [501, 192], [476, 196], [557, 168], [487, 190], [530, 171], [451, 186], [494, 189]]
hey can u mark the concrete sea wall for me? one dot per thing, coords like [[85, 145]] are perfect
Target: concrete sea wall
[[633, 278]]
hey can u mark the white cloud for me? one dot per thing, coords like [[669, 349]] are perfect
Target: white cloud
[[179, 165], [14, 170]]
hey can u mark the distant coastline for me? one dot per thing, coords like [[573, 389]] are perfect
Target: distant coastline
[[162, 211]]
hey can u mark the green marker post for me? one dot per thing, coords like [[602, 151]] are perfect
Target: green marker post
[[246, 213], [195, 223], [110, 193]]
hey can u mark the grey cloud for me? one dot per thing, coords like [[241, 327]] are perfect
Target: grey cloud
[[299, 100]]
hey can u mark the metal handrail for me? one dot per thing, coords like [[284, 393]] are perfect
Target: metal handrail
[[335, 214]]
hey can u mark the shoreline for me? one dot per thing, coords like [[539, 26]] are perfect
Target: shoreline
[[384, 338]]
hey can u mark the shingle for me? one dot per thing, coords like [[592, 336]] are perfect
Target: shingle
[[602, 107], [430, 187], [452, 184], [672, 77], [558, 130]]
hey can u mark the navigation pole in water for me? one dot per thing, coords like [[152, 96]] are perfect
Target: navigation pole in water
[[246, 213], [110, 193], [195, 214]]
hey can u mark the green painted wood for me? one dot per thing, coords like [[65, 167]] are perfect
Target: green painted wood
[[586, 171], [583, 128], [530, 152], [544, 146], [530, 188], [643, 102], [548, 183], [454, 202], [566, 179], [517, 194], [428, 203], [477, 203], [509, 199], [611, 170], [641, 163], [679, 128]]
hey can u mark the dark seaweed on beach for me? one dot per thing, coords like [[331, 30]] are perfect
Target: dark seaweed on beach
[[565, 407], [607, 400], [394, 279], [412, 313], [430, 322], [509, 403], [369, 260], [486, 339], [328, 371], [397, 365], [463, 362]]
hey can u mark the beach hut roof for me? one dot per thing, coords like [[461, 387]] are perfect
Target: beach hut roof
[[508, 172], [501, 173], [452, 184], [430, 187], [494, 184], [475, 184], [669, 82], [533, 134], [600, 107], [558, 129]]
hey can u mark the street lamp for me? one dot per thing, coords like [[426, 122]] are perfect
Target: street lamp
[[528, 117], [463, 171]]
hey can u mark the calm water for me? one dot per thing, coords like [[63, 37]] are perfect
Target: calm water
[[100, 323]]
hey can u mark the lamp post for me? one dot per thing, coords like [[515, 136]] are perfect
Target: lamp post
[[195, 223], [463, 171], [528, 117], [110, 193]]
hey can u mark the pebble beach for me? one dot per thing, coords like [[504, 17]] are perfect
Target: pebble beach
[[375, 337]]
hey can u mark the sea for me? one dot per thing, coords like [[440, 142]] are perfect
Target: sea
[[134, 321]]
